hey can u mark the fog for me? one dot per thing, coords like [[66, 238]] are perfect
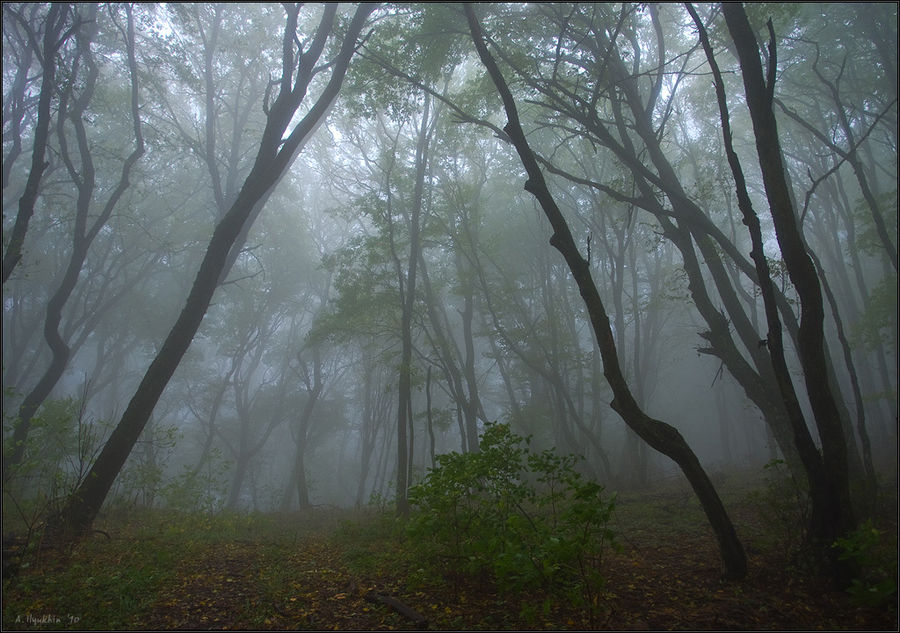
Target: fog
[[387, 280]]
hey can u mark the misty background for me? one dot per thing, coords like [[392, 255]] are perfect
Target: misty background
[[288, 394]]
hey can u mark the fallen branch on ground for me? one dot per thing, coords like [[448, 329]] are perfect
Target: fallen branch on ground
[[399, 607]]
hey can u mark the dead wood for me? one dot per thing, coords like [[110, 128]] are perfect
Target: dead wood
[[399, 607]]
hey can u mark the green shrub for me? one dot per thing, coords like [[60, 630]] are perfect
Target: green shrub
[[877, 581], [62, 442], [525, 520]]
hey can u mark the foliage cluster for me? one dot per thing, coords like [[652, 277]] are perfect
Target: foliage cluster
[[523, 519], [202, 489], [877, 581], [63, 443]]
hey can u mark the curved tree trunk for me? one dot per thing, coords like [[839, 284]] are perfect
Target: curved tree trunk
[[52, 41], [659, 435]]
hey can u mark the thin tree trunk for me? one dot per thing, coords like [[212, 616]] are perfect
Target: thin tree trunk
[[404, 408], [430, 421], [774, 341], [83, 234]]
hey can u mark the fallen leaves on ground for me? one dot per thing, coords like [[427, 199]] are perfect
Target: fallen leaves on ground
[[660, 579], [654, 587]]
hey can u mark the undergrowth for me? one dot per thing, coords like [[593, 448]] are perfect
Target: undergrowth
[[527, 521], [312, 570]]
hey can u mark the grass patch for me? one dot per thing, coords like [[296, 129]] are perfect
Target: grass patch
[[98, 585], [372, 543]]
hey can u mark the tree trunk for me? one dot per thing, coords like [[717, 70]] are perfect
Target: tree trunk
[[832, 514], [237, 481], [661, 436], [373, 407], [404, 407], [300, 481], [429, 419]]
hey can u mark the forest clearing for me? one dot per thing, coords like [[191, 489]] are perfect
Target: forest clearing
[[314, 571]]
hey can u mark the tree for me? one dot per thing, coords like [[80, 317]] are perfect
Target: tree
[[407, 286], [837, 109], [830, 488], [85, 182], [616, 109], [659, 435], [53, 40], [276, 153]]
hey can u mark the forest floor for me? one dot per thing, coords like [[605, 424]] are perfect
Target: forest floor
[[325, 569]]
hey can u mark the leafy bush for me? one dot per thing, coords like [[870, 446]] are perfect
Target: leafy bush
[[203, 489], [525, 520], [877, 582]]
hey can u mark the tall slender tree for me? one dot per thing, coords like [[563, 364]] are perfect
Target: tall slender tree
[[73, 108]]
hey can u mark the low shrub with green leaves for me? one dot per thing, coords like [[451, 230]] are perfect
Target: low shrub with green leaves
[[876, 584], [61, 445], [527, 520]]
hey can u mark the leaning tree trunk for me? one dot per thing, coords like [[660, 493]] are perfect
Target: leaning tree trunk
[[659, 435], [274, 157]]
